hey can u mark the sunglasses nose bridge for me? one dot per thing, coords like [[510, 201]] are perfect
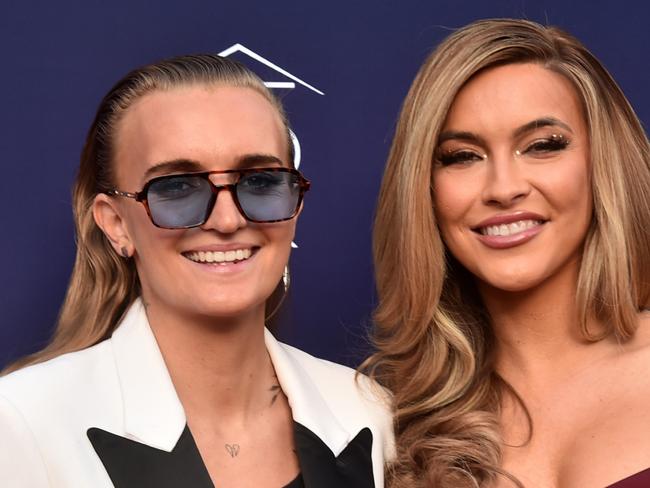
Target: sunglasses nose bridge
[[216, 190], [219, 181]]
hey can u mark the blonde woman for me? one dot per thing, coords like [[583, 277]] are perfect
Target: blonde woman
[[161, 372], [512, 251]]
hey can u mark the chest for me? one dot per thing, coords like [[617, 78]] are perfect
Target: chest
[[262, 455], [592, 432]]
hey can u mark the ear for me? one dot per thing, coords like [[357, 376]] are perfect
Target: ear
[[108, 218]]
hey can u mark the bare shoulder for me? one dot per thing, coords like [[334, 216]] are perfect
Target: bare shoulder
[[644, 322], [630, 367], [641, 340]]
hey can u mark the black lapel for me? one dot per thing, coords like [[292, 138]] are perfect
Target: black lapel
[[131, 464], [321, 469]]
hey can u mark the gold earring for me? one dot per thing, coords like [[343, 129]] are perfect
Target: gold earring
[[286, 278], [286, 281]]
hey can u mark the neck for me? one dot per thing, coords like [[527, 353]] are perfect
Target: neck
[[537, 330], [219, 366]]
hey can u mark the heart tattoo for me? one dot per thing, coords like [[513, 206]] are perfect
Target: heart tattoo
[[233, 449]]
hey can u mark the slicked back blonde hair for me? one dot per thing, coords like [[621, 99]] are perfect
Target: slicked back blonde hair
[[103, 284], [433, 335]]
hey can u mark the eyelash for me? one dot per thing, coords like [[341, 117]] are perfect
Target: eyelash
[[551, 144], [540, 147], [459, 157]]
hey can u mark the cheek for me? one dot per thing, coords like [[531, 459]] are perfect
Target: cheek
[[155, 248], [279, 237], [144, 234], [453, 197], [569, 190]]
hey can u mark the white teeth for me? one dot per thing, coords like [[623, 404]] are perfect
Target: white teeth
[[219, 256], [509, 229]]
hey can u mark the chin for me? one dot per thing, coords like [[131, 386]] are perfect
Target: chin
[[515, 282], [216, 305], [509, 287], [226, 308]]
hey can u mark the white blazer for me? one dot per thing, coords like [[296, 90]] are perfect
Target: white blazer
[[109, 416]]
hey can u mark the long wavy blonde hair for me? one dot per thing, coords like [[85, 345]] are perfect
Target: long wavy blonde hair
[[433, 335], [103, 284]]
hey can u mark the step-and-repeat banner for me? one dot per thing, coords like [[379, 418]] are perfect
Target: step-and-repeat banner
[[341, 69]]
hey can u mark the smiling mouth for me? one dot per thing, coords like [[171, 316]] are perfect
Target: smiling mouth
[[510, 229], [219, 257]]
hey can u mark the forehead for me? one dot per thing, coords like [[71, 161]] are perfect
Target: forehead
[[508, 96], [213, 125]]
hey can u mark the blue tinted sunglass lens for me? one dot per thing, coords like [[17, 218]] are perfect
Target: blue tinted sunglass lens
[[179, 201], [268, 196]]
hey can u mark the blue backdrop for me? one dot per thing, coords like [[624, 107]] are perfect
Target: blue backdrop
[[59, 58]]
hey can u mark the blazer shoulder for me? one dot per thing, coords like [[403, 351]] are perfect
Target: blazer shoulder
[[59, 376], [356, 397], [335, 375], [316, 364], [21, 460]]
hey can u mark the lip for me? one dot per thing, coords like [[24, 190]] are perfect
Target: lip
[[505, 242]]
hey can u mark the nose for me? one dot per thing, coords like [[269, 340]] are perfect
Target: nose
[[506, 183], [225, 216]]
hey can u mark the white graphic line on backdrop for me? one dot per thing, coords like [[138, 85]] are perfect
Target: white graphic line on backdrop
[[240, 48], [280, 84]]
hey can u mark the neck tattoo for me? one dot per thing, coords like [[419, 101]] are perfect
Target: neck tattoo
[[275, 390]]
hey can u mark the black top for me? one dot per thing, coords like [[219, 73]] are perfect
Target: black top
[[297, 483], [639, 480], [130, 463]]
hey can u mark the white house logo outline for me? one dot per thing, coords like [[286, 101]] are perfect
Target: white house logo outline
[[270, 84]]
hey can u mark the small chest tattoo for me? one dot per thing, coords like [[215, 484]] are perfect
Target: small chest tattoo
[[232, 449]]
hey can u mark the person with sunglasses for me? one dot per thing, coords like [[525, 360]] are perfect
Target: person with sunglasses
[[161, 372]]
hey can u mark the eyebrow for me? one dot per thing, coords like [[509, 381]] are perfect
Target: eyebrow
[[539, 123], [252, 160], [182, 165], [173, 166], [450, 135], [519, 131]]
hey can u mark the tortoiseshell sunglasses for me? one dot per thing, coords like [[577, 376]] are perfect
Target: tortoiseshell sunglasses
[[182, 201]]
